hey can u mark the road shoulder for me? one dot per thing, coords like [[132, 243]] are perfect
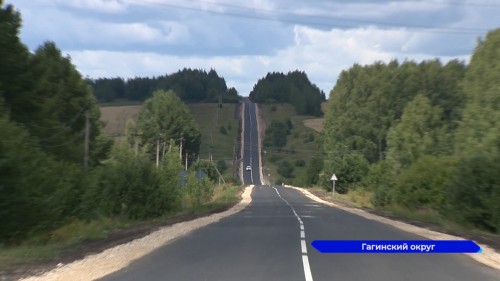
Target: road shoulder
[[108, 261], [488, 257]]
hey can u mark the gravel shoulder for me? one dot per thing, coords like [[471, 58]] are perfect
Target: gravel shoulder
[[95, 259], [490, 244]]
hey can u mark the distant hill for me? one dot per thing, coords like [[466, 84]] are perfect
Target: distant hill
[[191, 85], [293, 88]]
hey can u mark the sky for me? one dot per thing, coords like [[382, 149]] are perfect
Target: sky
[[244, 40]]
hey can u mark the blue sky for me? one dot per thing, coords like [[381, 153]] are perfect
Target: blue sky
[[243, 40]]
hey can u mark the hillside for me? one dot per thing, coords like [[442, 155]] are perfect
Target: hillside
[[302, 145], [218, 126]]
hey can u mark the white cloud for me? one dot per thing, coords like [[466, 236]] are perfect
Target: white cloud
[[321, 54], [106, 6]]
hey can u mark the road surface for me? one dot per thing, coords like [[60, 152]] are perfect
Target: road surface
[[264, 242]]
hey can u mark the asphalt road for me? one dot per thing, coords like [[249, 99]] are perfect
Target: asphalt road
[[263, 242], [250, 145]]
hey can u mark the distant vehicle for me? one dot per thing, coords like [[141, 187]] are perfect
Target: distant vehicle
[[249, 168]]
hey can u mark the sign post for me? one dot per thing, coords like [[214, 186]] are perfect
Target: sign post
[[333, 179]]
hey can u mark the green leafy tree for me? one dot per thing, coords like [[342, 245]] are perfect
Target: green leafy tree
[[423, 184], [293, 87], [419, 133], [474, 194], [164, 117]]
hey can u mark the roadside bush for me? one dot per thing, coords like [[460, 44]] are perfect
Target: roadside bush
[[313, 170], [474, 192], [380, 179], [222, 166], [133, 186], [199, 191], [350, 170], [423, 184], [300, 163], [35, 189], [208, 167]]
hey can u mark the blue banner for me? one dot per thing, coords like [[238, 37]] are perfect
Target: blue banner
[[397, 246]]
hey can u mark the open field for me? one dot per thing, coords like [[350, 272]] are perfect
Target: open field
[[214, 142], [210, 119], [115, 118], [317, 124]]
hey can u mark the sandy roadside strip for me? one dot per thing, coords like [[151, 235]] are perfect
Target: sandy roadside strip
[[488, 257], [99, 265]]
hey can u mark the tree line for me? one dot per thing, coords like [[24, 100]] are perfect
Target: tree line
[[191, 85], [425, 136], [293, 88], [46, 107]]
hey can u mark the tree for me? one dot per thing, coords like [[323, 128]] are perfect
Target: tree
[[475, 192], [59, 121], [293, 87], [16, 81], [286, 169], [164, 117], [419, 133]]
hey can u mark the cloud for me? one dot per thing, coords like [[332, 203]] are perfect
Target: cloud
[[152, 37], [321, 54]]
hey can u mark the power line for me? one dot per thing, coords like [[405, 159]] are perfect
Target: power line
[[295, 18]]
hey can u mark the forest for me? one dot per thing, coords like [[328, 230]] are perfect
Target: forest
[[424, 136], [191, 85], [56, 167], [293, 88]]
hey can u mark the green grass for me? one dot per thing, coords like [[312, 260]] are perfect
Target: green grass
[[120, 103], [298, 146], [210, 119], [51, 245]]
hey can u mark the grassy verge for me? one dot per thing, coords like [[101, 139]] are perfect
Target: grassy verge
[[361, 198], [56, 244]]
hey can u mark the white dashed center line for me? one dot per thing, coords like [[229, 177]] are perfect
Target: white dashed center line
[[303, 244]]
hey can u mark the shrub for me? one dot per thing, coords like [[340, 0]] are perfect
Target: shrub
[[222, 166], [223, 130], [473, 194], [285, 169], [423, 184], [300, 163]]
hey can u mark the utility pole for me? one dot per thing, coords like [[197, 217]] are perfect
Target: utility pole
[[86, 143], [181, 140], [234, 160], [157, 152]]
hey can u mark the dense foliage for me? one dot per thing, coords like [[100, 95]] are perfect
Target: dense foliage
[[191, 85], [293, 87], [44, 107], [421, 135]]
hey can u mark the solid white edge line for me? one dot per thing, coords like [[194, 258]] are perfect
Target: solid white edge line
[[307, 268]]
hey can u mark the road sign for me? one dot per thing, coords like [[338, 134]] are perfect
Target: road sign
[[333, 179]]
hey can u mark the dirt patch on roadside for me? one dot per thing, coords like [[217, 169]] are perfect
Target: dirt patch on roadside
[[92, 247]]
